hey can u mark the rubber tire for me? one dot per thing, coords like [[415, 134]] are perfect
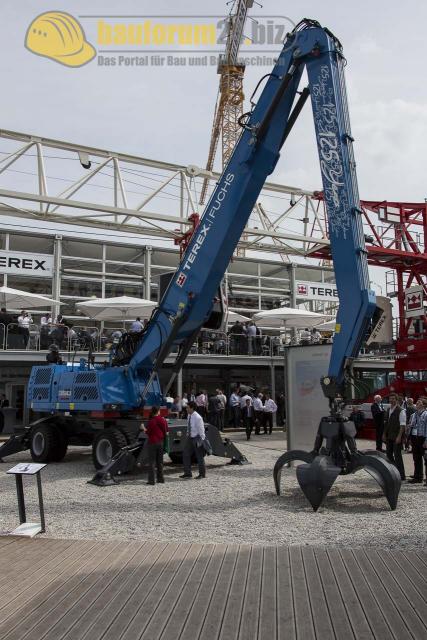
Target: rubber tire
[[130, 434], [116, 439], [61, 445], [52, 443]]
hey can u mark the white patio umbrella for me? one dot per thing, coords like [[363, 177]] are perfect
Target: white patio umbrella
[[286, 317], [120, 308], [17, 299], [327, 326], [233, 316]]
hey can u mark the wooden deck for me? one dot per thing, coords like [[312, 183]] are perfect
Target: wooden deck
[[64, 589]]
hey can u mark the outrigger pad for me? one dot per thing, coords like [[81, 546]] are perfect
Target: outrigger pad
[[286, 458], [316, 479]]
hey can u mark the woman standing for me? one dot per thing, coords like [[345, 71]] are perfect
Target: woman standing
[[156, 430]]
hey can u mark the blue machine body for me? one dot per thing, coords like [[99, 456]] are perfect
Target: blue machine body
[[190, 295]]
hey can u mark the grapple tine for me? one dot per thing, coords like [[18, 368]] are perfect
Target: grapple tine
[[316, 479], [385, 473], [285, 458]]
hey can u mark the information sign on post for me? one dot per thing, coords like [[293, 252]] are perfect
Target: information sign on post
[[25, 528]]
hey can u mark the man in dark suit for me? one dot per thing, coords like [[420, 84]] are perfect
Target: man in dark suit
[[248, 415], [377, 411]]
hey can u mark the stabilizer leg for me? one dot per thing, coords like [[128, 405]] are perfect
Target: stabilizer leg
[[122, 462]]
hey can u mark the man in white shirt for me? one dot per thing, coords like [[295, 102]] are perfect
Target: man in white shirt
[[24, 322], [270, 407], [194, 443], [235, 409], [136, 326], [223, 399], [243, 400], [259, 413]]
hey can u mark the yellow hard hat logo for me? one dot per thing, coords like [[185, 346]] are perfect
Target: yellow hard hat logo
[[60, 37]]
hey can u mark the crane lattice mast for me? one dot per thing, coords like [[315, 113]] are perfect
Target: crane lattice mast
[[229, 104]]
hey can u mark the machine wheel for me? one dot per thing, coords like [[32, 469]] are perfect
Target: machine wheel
[[105, 445], [61, 445], [130, 433], [176, 457], [47, 443]]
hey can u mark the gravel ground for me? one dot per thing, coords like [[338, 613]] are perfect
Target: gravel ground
[[233, 505]]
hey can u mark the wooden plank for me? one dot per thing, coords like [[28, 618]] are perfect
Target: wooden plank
[[303, 617], [231, 621], [166, 607], [139, 607], [119, 613], [351, 602], [178, 617], [372, 610], [20, 597], [220, 556], [334, 597], [20, 555], [267, 627], [421, 557], [414, 570], [7, 540], [80, 599], [213, 617], [389, 607], [49, 615], [251, 605], [319, 608], [411, 608], [108, 606], [285, 602], [36, 558], [27, 616], [29, 576]]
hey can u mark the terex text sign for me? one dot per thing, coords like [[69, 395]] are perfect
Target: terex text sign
[[38, 265], [316, 291]]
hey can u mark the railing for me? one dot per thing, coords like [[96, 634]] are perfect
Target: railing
[[84, 338]]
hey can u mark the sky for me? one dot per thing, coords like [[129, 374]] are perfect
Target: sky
[[166, 112]]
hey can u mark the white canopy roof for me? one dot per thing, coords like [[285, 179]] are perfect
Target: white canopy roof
[[120, 308], [287, 317]]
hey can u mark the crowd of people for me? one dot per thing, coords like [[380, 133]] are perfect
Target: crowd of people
[[254, 412], [402, 426]]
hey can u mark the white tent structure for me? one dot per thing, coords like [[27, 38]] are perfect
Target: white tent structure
[[120, 308], [17, 299], [288, 318], [327, 326], [233, 317]]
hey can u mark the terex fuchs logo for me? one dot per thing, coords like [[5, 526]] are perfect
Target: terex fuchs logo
[[59, 36], [302, 289], [181, 279]]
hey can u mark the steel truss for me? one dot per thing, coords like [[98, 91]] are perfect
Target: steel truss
[[164, 210]]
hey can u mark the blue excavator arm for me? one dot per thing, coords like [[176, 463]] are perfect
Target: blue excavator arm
[[189, 298]]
